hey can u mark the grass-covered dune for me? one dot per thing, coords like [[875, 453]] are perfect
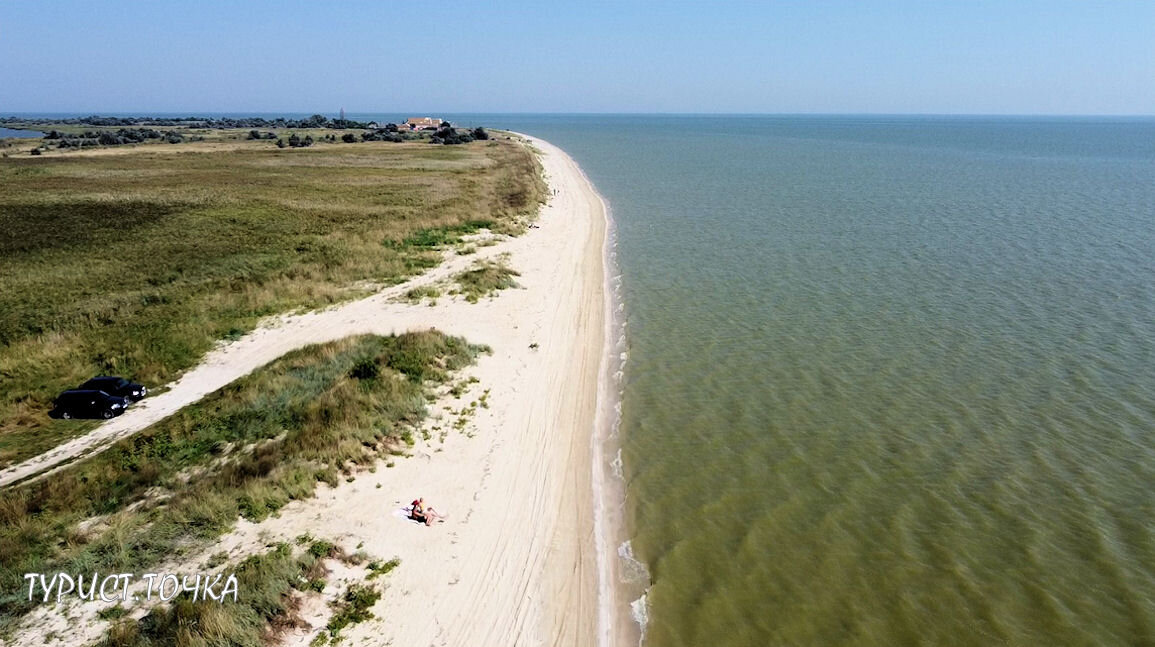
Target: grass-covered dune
[[243, 451], [135, 260]]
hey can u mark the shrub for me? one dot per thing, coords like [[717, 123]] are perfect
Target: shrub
[[365, 368], [348, 138], [353, 608]]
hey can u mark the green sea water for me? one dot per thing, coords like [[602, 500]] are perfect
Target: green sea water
[[891, 381]]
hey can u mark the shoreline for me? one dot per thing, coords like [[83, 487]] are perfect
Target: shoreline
[[521, 560]]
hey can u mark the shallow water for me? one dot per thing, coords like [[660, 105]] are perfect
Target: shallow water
[[891, 380], [23, 134]]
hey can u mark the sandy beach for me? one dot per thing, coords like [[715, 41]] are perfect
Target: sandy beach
[[516, 563]]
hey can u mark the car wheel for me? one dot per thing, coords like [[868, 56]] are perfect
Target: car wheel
[[66, 415], [106, 414]]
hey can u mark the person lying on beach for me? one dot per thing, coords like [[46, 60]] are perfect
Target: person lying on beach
[[422, 513]]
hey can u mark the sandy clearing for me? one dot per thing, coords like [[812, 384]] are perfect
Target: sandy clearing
[[517, 561]]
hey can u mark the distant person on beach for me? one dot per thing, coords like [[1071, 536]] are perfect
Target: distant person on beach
[[422, 513]]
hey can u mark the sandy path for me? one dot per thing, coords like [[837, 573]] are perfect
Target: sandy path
[[516, 562]]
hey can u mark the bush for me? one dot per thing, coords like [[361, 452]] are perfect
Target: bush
[[280, 143], [479, 133], [353, 608], [348, 138], [35, 151], [365, 368], [447, 134]]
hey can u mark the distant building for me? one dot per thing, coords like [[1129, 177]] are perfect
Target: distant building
[[422, 123]]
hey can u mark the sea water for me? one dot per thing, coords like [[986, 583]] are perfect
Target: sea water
[[891, 380]]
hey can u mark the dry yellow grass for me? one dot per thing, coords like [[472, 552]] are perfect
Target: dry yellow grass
[[134, 260]]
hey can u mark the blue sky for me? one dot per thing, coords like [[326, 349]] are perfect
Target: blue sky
[[869, 56]]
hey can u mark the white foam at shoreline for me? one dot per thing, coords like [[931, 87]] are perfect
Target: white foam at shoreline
[[641, 612]]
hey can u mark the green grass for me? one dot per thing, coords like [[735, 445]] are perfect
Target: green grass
[[421, 292], [377, 569], [485, 278], [264, 607], [243, 451], [353, 608], [134, 261], [438, 237]]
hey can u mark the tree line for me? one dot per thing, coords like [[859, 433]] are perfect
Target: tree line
[[215, 123], [115, 138]]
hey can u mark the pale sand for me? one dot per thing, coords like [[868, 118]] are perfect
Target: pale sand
[[517, 561]]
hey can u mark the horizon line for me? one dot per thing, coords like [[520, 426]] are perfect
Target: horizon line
[[193, 113]]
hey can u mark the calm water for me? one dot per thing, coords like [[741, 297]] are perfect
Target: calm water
[[22, 134], [891, 380]]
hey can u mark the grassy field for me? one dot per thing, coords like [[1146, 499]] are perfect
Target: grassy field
[[135, 260], [244, 451], [265, 611]]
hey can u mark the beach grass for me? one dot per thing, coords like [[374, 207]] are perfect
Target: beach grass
[[315, 415], [136, 260], [267, 609], [485, 278]]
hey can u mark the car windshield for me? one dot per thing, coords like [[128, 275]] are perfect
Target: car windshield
[[103, 383]]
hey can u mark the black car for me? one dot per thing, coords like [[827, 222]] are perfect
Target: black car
[[88, 403], [117, 386]]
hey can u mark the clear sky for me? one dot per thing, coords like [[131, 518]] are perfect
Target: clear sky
[[931, 56]]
